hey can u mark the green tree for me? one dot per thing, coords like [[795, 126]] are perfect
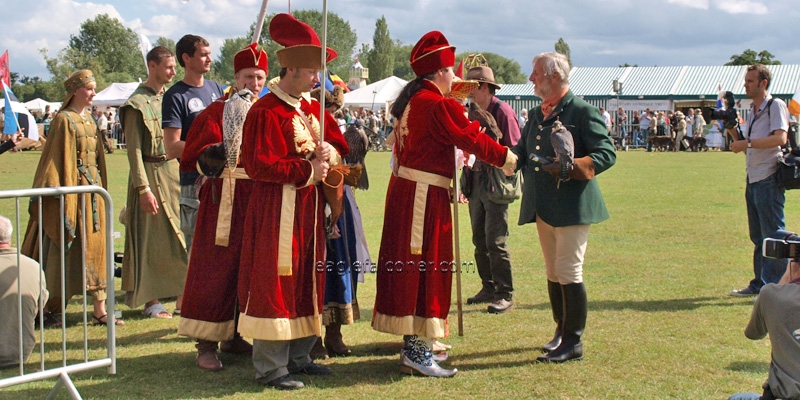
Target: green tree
[[381, 57], [341, 37], [505, 70], [402, 65], [563, 48], [750, 57], [222, 68]]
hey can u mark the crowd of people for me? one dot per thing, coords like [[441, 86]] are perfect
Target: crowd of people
[[284, 270]]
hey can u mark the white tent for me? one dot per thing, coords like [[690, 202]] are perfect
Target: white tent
[[115, 94], [39, 105], [25, 120], [375, 95]]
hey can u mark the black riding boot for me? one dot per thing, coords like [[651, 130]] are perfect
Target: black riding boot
[[575, 309], [557, 304]]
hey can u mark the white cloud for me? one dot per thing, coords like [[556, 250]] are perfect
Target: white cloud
[[742, 7], [700, 4]]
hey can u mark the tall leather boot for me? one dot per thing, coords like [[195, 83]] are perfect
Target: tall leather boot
[[575, 309], [333, 341], [557, 304]]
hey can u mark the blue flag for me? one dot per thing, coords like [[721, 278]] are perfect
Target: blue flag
[[10, 125]]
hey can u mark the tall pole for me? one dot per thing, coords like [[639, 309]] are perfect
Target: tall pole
[[457, 247], [324, 70], [262, 15]]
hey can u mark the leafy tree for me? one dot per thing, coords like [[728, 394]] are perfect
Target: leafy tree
[[750, 57], [505, 70], [341, 37], [381, 57], [563, 48], [402, 65], [222, 68]]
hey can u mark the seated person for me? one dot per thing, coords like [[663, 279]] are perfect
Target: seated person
[[777, 312], [31, 288]]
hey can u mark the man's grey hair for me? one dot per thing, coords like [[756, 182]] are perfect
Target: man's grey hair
[[6, 228], [554, 62]]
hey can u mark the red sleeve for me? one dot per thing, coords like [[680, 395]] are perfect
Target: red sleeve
[[205, 131], [268, 149], [466, 135]]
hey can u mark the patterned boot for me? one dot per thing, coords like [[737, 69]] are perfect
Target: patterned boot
[[417, 358]]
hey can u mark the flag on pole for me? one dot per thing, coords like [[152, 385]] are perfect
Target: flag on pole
[[11, 125], [794, 104], [5, 72]]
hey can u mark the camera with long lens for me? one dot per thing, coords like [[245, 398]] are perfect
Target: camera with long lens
[[727, 114], [782, 244]]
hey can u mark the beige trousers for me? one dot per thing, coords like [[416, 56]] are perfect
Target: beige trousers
[[563, 249]]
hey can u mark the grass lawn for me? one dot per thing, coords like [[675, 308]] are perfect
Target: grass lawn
[[658, 274]]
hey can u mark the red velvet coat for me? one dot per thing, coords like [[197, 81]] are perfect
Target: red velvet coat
[[282, 274], [209, 298], [413, 295]]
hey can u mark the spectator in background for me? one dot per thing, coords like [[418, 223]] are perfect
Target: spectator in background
[[33, 292], [606, 119], [622, 121], [699, 123], [680, 129], [523, 118], [102, 130]]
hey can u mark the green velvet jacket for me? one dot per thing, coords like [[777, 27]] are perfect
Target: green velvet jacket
[[574, 202]]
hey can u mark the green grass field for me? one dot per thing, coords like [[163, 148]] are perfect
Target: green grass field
[[658, 274]]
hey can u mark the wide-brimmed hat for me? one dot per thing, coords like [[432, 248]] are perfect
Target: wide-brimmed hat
[[431, 53], [251, 57], [77, 80], [482, 74], [302, 47]]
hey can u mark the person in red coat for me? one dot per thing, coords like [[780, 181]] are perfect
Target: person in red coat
[[209, 298], [287, 154], [415, 264]]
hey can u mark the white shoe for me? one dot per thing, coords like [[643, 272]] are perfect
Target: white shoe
[[439, 347], [411, 368]]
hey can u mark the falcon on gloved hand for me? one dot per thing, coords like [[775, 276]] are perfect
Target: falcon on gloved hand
[[564, 147]]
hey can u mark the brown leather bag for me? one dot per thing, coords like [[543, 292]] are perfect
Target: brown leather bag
[[333, 189]]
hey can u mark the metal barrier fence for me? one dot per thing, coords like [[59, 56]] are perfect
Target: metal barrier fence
[[62, 372]]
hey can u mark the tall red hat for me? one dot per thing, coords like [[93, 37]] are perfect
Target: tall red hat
[[431, 53], [251, 57], [302, 47]]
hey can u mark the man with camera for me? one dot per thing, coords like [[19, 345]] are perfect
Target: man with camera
[[777, 312], [767, 124]]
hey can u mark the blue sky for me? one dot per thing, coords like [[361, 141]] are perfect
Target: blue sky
[[599, 33]]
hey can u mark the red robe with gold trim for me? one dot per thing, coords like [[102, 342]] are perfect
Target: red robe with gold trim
[[282, 273], [209, 298], [413, 295]]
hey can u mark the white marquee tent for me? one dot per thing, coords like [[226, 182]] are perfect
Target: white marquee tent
[[377, 94], [39, 105], [115, 94]]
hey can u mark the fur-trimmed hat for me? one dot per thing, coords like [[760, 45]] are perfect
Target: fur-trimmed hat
[[251, 57], [302, 47], [431, 53]]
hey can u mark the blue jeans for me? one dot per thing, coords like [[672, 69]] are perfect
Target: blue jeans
[[765, 201], [745, 396]]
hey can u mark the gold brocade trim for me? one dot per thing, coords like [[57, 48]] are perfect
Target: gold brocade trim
[[286, 230], [303, 141], [223, 232], [423, 180], [409, 325], [278, 328], [205, 330], [335, 313]]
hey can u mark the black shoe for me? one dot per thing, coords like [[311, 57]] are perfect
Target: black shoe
[[484, 296], [745, 292], [500, 306], [285, 382], [315, 369], [564, 352]]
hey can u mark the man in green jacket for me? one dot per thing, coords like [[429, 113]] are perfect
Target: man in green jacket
[[563, 212]]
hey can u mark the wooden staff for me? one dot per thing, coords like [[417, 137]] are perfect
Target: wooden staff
[[457, 247], [260, 24]]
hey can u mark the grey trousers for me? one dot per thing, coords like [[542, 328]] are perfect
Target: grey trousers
[[489, 235], [273, 359], [189, 205]]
